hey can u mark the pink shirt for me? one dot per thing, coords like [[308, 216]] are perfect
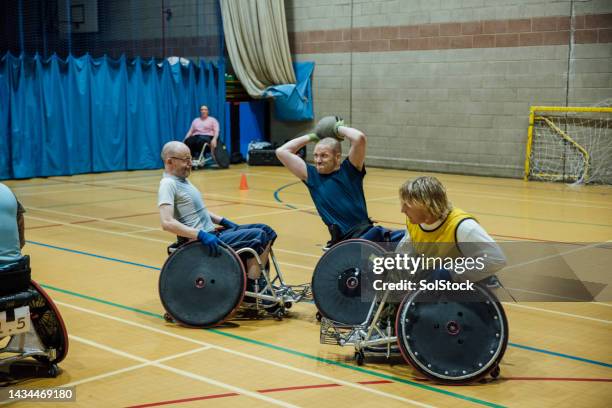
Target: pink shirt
[[208, 126]]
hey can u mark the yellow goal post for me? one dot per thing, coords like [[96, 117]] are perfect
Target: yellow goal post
[[569, 144]]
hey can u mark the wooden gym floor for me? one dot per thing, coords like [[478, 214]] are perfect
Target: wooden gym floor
[[96, 246]]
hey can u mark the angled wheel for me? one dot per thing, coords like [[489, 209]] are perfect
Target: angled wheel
[[452, 337], [198, 290], [337, 281], [48, 324]]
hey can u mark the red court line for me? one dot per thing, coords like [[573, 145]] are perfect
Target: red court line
[[179, 401], [109, 218], [557, 379], [155, 192], [267, 390], [131, 215], [43, 226]]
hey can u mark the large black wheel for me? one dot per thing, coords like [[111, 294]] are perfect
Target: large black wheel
[[199, 290], [452, 337]]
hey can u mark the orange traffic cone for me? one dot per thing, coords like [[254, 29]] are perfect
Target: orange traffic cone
[[243, 182]]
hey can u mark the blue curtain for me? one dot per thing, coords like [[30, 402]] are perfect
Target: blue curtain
[[89, 114]]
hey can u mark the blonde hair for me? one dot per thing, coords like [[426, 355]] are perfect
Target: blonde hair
[[429, 192], [331, 142]]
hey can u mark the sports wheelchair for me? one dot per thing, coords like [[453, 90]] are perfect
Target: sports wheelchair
[[208, 157], [450, 337], [199, 290], [30, 324]]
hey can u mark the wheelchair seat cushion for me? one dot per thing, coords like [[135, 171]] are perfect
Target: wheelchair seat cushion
[[15, 277]]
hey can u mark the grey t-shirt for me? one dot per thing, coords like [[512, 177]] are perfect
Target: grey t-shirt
[[189, 208], [10, 250]]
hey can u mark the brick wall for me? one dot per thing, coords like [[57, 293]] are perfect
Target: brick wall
[[447, 85]]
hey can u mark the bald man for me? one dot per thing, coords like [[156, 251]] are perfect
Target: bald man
[[184, 213], [335, 185]]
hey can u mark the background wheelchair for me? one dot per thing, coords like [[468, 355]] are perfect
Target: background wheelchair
[[450, 337], [207, 157], [31, 327], [199, 290]]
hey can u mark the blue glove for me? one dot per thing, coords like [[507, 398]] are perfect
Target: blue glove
[[225, 223], [210, 241]]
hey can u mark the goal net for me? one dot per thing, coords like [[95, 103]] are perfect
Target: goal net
[[569, 144]]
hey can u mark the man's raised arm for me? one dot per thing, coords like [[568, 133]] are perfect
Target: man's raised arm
[[358, 141], [287, 154]]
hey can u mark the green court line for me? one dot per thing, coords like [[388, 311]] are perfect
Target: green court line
[[287, 350]]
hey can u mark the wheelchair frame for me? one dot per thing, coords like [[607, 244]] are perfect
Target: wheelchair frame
[[202, 160], [379, 329], [284, 295], [30, 343], [276, 291]]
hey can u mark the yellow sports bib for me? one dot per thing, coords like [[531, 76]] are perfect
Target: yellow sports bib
[[442, 241]]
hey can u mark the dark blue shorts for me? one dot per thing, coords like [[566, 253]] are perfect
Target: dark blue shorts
[[255, 236], [381, 234]]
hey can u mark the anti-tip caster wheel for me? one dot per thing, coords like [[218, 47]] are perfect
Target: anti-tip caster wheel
[[495, 372], [53, 370], [359, 358], [168, 318]]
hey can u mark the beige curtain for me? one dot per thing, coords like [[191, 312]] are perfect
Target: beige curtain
[[257, 43]]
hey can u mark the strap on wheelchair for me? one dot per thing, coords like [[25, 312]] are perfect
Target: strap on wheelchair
[[355, 232], [180, 241]]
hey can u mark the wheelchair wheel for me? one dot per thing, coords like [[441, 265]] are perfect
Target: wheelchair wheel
[[48, 324], [336, 281], [221, 156], [198, 290], [452, 337]]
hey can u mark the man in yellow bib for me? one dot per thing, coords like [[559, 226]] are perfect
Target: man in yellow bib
[[437, 230]]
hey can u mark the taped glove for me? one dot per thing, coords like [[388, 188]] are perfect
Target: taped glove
[[210, 241]]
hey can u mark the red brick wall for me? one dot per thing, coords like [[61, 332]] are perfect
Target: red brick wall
[[590, 29]]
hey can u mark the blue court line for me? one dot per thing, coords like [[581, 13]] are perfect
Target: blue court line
[[554, 353], [93, 255], [534, 349], [278, 190]]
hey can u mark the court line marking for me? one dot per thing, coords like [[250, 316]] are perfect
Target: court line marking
[[216, 205], [278, 199], [268, 390], [377, 172], [157, 269], [74, 190], [127, 224], [241, 354], [128, 234], [508, 197], [183, 373], [593, 319], [554, 353], [297, 353], [130, 368]]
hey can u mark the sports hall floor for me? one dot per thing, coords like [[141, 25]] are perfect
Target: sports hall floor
[[96, 246]]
